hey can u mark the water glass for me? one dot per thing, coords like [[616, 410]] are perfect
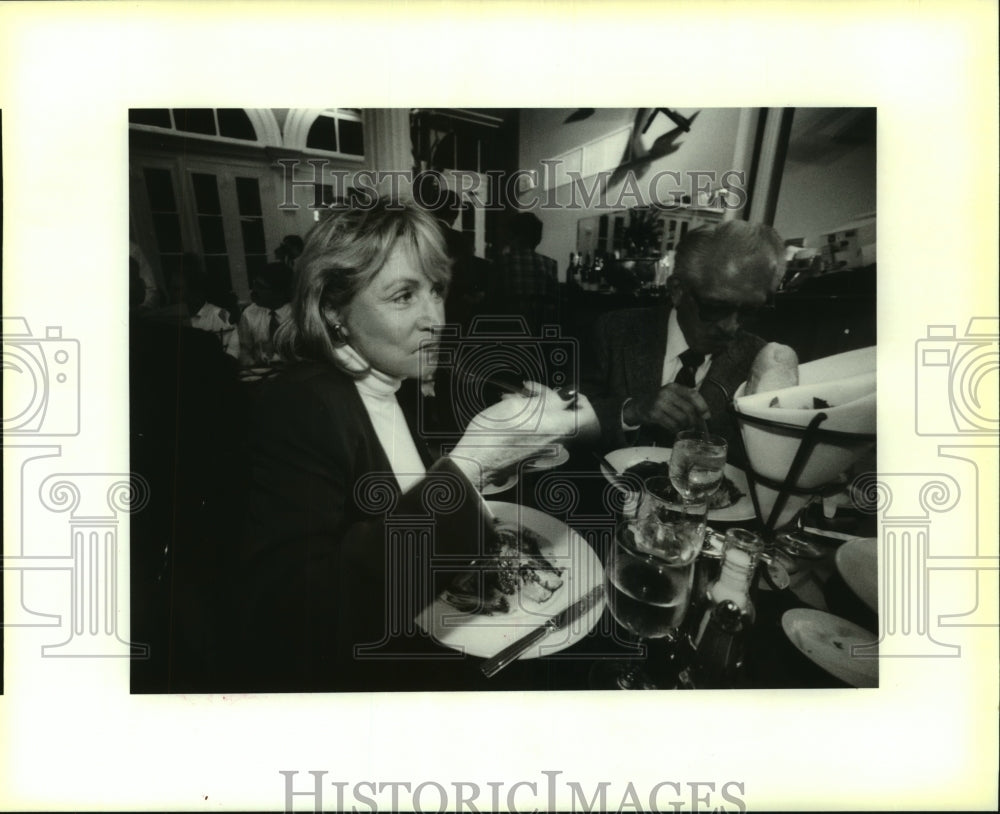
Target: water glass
[[697, 464], [673, 532]]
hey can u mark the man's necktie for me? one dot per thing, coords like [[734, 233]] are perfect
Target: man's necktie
[[691, 360], [272, 326]]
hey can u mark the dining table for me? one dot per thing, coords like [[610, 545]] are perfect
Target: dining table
[[579, 495], [571, 487]]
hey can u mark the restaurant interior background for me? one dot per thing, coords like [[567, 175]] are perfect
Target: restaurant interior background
[[214, 183]]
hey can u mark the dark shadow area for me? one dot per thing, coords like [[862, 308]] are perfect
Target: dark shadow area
[[186, 424]]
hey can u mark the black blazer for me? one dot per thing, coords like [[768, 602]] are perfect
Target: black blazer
[[336, 562], [626, 360]]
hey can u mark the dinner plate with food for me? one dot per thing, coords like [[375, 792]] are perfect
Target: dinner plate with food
[[539, 567], [730, 503]]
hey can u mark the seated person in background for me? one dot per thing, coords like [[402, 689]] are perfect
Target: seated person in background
[[342, 491], [524, 282], [468, 272], [271, 308], [141, 277], [656, 371], [189, 305]]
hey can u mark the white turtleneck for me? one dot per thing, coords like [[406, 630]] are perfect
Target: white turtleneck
[[378, 394]]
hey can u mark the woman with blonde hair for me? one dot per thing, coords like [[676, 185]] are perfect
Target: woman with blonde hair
[[349, 519]]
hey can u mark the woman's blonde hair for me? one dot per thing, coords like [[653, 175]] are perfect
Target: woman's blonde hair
[[342, 254]]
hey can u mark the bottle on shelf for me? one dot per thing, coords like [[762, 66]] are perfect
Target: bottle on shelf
[[598, 271], [573, 270], [585, 273]]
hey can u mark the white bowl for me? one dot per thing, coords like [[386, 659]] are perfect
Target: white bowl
[[845, 435]]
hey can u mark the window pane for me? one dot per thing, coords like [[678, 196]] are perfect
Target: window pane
[[467, 154], [255, 262], [157, 117], [248, 196], [160, 187], [234, 123], [351, 138], [195, 120], [213, 238], [323, 134], [206, 193], [217, 282], [487, 158], [172, 265], [253, 236], [168, 232]]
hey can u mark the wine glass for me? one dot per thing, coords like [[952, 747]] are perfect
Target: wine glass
[[697, 464], [648, 592]]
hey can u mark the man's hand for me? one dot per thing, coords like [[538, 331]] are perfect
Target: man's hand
[[673, 407]]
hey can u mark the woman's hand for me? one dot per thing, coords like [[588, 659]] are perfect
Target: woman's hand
[[516, 427]]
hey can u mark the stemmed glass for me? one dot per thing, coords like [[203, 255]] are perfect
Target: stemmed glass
[[649, 574]]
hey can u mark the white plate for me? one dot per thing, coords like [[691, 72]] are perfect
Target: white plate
[[742, 509], [485, 636], [827, 641], [552, 457], [857, 562], [503, 486]]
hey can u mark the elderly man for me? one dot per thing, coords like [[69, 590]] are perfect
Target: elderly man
[[656, 371]]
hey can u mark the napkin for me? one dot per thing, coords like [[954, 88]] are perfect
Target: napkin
[[846, 382]]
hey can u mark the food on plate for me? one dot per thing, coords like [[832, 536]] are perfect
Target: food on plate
[[727, 494], [647, 469], [514, 566], [775, 367]]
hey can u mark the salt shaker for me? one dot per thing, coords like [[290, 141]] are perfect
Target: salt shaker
[[740, 556]]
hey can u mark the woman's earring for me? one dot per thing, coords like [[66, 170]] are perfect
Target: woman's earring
[[338, 333]]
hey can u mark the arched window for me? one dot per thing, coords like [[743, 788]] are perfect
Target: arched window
[[335, 131], [227, 124]]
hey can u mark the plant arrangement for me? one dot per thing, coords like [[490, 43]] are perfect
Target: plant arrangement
[[644, 233]]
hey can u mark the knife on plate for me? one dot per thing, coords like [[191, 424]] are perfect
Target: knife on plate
[[495, 664]]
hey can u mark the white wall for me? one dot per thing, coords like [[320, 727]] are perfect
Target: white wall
[[708, 147], [825, 184]]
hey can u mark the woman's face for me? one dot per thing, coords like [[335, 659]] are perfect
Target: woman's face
[[387, 321]]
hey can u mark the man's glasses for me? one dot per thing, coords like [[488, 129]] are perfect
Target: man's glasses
[[715, 311]]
